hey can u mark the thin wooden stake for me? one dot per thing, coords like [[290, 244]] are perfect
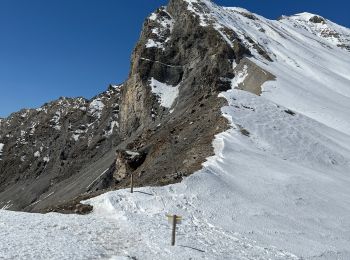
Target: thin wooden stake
[[173, 234], [132, 183]]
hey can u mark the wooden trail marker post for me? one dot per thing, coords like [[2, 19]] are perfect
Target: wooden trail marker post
[[132, 183], [173, 219]]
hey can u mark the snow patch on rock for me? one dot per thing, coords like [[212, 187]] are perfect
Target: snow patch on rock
[[161, 33], [1, 150], [167, 93], [95, 108], [240, 77], [55, 120], [112, 125]]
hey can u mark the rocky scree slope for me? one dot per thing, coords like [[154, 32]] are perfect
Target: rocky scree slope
[[51, 145]]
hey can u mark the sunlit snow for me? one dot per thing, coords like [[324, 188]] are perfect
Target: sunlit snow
[[278, 191]]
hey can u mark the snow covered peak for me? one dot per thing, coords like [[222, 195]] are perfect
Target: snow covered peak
[[317, 25], [309, 54], [306, 16], [242, 21]]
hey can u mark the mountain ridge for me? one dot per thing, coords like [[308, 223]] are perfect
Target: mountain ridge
[[177, 43], [237, 123]]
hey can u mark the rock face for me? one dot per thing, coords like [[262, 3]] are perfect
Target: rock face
[[161, 121], [317, 19]]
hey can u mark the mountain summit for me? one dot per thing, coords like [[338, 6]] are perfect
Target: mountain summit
[[245, 119]]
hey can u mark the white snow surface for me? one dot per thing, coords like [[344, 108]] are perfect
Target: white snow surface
[[312, 72], [166, 93], [96, 107], [280, 193], [152, 43], [1, 149], [113, 124], [240, 77], [55, 120]]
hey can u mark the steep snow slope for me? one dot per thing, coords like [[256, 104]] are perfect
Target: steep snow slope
[[279, 181], [312, 71]]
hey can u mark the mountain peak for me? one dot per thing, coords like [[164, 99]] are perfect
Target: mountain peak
[[320, 27], [266, 101], [308, 17]]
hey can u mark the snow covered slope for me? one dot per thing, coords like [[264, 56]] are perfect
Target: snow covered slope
[[278, 185], [312, 70]]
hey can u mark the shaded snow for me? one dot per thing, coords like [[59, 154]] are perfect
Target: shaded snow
[[95, 108], [132, 154], [240, 77], [55, 120], [76, 137], [1, 149], [160, 34], [152, 43], [166, 93], [112, 126]]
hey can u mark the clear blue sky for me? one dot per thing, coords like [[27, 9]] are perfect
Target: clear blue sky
[[53, 48]]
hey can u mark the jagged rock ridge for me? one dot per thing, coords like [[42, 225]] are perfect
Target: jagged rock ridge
[[45, 146]]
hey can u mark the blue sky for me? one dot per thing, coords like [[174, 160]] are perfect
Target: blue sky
[[76, 48]]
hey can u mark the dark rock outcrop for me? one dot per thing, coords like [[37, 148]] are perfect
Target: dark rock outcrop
[[317, 19], [45, 146]]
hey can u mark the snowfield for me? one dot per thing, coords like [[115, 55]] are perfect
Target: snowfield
[[277, 187]]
